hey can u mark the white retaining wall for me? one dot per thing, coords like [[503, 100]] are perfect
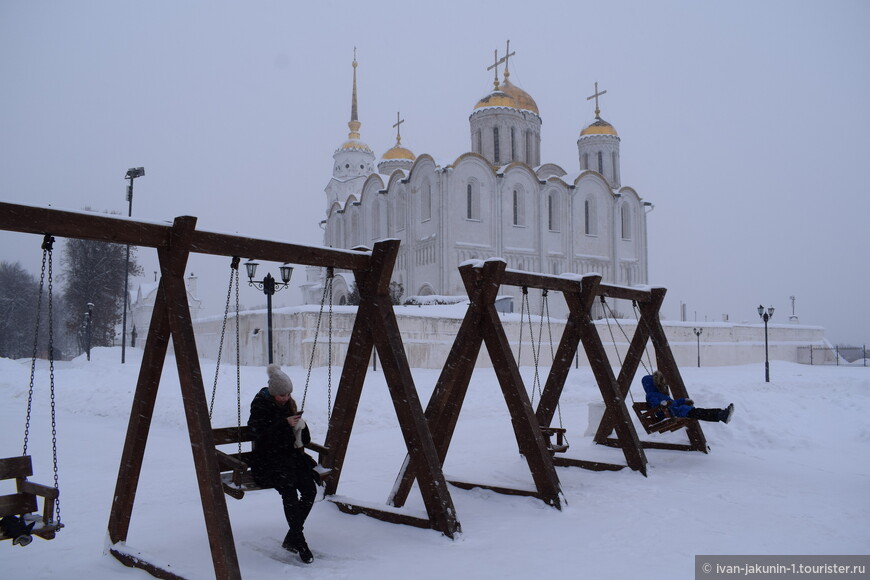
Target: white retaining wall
[[428, 333]]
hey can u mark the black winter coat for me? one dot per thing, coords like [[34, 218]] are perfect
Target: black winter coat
[[273, 440]]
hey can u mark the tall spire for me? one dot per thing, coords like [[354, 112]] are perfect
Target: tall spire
[[354, 123]]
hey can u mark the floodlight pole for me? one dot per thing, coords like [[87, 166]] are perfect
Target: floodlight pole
[[132, 174], [698, 332]]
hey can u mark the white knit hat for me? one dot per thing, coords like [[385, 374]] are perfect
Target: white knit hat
[[279, 382]]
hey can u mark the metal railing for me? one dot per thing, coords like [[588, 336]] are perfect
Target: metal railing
[[833, 355]]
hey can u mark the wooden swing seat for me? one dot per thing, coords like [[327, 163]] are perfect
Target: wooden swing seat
[[653, 424], [236, 476], [24, 503], [561, 445]]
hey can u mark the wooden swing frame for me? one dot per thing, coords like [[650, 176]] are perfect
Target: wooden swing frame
[[532, 429], [649, 329], [375, 327]]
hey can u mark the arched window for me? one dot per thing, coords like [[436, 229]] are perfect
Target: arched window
[[400, 211], [585, 164], [513, 145], [426, 202], [625, 214], [376, 219], [519, 207], [553, 212], [355, 236], [590, 219], [495, 149], [613, 166], [472, 201], [600, 163]]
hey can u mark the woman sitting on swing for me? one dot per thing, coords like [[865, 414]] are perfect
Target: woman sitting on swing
[[279, 459], [658, 395]]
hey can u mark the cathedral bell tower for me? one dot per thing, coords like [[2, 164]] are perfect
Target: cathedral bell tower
[[505, 124], [353, 161], [598, 146]]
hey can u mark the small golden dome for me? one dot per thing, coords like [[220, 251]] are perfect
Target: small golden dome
[[511, 96], [599, 127], [399, 152], [354, 145]]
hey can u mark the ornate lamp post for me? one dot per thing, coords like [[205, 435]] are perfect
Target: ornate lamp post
[[269, 286], [765, 316], [132, 174], [698, 332]]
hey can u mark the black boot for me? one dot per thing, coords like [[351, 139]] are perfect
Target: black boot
[[296, 543], [304, 552], [705, 414], [725, 414]]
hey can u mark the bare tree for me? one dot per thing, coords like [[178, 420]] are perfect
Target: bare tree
[[94, 272], [18, 296]]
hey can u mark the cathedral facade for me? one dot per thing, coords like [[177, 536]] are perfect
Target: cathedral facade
[[496, 200]]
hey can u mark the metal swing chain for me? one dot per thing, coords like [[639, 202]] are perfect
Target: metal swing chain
[[234, 275], [238, 363], [329, 370], [47, 244], [45, 249], [524, 304], [536, 379], [613, 338], [51, 379], [327, 291], [637, 320], [545, 306]]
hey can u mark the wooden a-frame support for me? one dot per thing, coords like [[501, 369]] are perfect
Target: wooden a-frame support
[[482, 325], [375, 327], [649, 328]]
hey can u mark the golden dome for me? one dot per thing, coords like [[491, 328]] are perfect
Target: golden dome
[[523, 99], [399, 152], [599, 127], [355, 145], [509, 95]]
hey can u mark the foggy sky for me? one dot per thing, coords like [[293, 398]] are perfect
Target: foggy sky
[[745, 123]]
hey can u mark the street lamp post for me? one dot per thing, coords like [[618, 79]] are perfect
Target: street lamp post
[[269, 286], [698, 332], [132, 174], [766, 315], [88, 334]]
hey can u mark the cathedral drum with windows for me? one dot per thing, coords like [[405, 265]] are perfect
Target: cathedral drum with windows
[[497, 200]]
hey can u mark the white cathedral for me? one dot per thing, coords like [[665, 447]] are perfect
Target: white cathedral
[[496, 200]]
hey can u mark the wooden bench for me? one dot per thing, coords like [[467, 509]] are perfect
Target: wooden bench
[[654, 424], [236, 476], [24, 504]]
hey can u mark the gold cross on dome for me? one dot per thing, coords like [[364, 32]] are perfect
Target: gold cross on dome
[[595, 96]]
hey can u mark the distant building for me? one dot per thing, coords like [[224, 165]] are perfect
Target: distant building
[[141, 305], [496, 200]]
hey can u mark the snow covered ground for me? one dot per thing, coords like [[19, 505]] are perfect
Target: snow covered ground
[[789, 475]]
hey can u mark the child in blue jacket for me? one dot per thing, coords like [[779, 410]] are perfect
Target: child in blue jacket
[[658, 394]]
